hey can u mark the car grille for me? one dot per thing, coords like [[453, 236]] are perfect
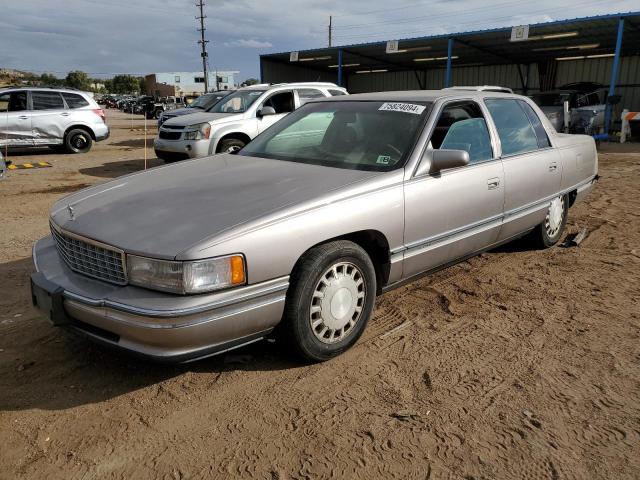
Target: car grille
[[170, 135], [90, 258]]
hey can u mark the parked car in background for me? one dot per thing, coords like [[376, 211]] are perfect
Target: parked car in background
[[339, 201], [587, 104], [54, 117], [231, 123], [201, 104]]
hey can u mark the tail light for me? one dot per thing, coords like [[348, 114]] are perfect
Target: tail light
[[100, 113]]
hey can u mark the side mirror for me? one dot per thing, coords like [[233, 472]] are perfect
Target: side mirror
[[264, 111], [433, 161]]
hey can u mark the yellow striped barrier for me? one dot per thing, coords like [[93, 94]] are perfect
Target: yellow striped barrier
[[26, 166]]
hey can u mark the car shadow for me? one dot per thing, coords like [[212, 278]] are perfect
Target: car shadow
[[50, 368], [135, 142], [24, 151], [119, 168]]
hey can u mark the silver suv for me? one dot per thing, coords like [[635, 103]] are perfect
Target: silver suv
[[40, 116], [235, 120]]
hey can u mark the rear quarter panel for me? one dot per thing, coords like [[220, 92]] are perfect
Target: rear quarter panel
[[579, 159]]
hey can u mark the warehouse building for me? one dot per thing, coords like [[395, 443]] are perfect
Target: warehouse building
[[602, 49], [187, 83]]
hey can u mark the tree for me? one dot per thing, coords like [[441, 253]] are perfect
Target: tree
[[77, 79], [125, 84], [251, 81], [49, 80]]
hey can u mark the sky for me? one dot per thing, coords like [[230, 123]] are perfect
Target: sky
[[106, 37]]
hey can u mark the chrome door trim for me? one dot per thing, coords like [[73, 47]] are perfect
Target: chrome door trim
[[506, 216]]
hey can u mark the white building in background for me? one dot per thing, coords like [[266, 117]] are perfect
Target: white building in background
[[188, 83]]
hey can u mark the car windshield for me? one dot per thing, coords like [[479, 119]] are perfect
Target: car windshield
[[205, 101], [357, 135], [237, 102]]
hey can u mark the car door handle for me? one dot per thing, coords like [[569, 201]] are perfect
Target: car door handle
[[65, 114], [493, 183], [23, 117], [553, 167]]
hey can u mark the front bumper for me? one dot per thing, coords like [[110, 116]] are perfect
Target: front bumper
[[188, 148], [160, 326]]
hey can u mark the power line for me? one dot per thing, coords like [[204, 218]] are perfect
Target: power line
[[472, 11], [457, 24]]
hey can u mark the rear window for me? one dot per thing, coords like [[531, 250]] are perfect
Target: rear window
[[74, 100], [47, 101]]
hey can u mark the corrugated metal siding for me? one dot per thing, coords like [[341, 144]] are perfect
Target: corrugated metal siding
[[274, 72], [588, 70]]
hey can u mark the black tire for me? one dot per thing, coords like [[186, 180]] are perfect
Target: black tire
[[230, 145], [78, 141], [157, 113], [549, 232], [352, 266]]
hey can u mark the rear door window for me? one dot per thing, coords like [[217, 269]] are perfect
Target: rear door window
[[336, 93], [514, 128], [47, 100], [541, 133], [74, 100], [13, 102], [307, 94]]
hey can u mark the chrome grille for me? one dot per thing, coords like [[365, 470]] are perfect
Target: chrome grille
[[89, 257]]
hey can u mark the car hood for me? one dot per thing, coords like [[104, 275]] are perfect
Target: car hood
[[180, 111], [165, 210], [200, 117]]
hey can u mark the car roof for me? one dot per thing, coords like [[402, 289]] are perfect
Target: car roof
[[419, 95], [271, 86], [55, 89]]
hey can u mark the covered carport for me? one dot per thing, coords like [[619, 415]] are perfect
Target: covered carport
[[539, 57]]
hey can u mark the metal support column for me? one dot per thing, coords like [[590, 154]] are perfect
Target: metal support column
[[447, 78], [614, 77], [340, 67]]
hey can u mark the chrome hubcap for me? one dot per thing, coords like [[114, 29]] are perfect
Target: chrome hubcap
[[337, 302], [79, 141], [233, 148], [553, 222]]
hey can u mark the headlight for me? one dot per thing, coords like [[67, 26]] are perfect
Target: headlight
[[197, 132], [187, 277]]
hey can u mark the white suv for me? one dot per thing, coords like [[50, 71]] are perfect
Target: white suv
[[235, 120], [60, 117]]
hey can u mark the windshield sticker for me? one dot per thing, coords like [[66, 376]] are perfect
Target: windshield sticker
[[383, 159], [402, 107]]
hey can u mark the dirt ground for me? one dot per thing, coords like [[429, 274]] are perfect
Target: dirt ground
[[518, 364]]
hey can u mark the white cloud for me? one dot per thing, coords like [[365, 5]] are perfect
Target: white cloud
[[248, 43]]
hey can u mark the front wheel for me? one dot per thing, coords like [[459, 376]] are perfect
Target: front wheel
[[330, 300], [78, 141], [230, 145], [550, 230]]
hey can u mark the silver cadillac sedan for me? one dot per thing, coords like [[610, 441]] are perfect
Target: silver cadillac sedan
[[340, 201]]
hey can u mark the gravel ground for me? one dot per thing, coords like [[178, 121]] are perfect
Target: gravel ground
[[517, 364]]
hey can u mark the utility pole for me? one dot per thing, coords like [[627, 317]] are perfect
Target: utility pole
[[203, 44], [330, 30]]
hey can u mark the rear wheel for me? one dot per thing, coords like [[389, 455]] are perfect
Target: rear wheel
[[78, 141], [330, 300], [550, 230], [230, 145]]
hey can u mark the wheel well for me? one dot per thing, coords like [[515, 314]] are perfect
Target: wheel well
[[243, 137], [377, 247], [572, 197], [81, 127]]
